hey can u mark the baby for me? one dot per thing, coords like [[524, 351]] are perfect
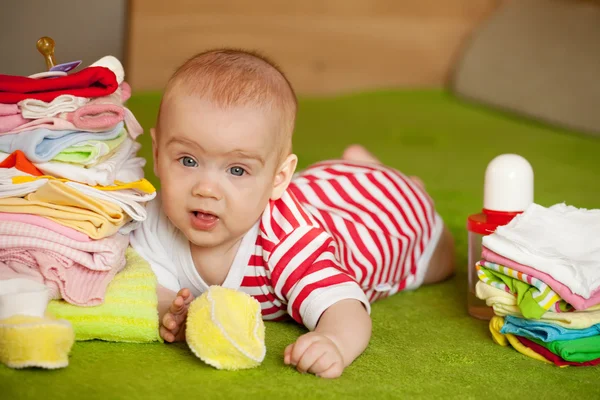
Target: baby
[[319, 245]]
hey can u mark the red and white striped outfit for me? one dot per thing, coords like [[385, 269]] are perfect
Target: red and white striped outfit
[[342, 230]]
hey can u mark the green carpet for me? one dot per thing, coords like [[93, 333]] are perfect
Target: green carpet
[[424, 343]]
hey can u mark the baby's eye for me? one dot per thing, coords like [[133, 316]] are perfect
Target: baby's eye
[[237, 171], [188, 162]]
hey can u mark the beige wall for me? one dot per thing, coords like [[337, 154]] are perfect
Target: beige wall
[[82, 29], [324, 46]]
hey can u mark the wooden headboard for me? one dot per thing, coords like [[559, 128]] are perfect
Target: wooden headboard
[[323, 46]]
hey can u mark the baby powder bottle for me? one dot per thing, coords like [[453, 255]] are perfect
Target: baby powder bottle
[[508, 191]]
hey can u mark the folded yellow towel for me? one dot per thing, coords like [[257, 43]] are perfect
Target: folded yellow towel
[[129, 312]]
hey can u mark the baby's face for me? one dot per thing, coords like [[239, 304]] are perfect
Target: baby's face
[[216, 167]]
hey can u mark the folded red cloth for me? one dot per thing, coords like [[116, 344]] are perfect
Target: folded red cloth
[[89, 82], [19, 160], [550, 356]]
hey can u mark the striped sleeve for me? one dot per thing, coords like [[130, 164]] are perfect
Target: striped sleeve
[[307, 277]]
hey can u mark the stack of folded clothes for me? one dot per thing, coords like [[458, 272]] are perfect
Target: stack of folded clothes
[[71, 186], [541, 275]]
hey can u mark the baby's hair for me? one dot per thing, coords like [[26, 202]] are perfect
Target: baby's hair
[[232, 77]]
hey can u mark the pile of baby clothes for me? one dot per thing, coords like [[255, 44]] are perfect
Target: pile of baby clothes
[[71, 186], [541, 275]]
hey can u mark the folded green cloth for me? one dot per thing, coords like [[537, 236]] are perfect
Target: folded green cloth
[[129, 312], [579, 350], [91, 152], [534, 297]]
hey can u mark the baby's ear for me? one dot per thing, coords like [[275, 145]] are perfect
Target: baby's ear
[[283, 176], [154, 151]]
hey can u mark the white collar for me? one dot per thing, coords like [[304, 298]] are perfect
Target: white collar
[[238, 266]]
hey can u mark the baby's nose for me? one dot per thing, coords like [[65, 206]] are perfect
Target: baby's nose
[[207, 188]]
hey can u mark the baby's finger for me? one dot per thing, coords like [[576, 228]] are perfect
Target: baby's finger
[[166, 335], [334, 371], [169, 322], [287, 354], [310, 356], [188, 300], [186, 295], [177, 305], [322, 363], [300, 347]]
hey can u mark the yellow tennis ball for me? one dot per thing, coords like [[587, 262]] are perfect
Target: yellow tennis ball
[[225, 329]]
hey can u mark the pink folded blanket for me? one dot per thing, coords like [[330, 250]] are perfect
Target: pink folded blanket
[[76, 270], [100, 255], [46, 223], [10, 117], [69, 281]]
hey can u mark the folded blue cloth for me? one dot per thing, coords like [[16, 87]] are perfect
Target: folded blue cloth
[[42, 145], [544, 331]]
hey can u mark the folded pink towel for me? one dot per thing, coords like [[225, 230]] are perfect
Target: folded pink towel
[[10, 117], [578, 302], [9, 109], [106, 110], [125, 92], [44, 222], [11, 122], [70, 281], [96, 116], [75, 270], [99, 255], [52, 123]]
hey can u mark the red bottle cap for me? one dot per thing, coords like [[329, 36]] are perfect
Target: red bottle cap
[[487, 221]]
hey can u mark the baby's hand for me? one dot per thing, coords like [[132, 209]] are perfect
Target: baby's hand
[[315, 353], [172, 328]]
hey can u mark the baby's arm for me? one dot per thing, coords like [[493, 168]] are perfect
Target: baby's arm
[[172, 313], [342, 334]]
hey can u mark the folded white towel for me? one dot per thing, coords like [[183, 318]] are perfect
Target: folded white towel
[[562, 241], [112, 63], [34, 108]]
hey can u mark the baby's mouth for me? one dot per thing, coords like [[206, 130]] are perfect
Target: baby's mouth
[[204, 215], [203, 221]]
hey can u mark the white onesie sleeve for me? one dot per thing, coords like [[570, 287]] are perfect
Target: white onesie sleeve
[[154, 240]]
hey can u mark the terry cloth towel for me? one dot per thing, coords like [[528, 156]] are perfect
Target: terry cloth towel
[[562, 241], [129, 312], [89, 82]]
